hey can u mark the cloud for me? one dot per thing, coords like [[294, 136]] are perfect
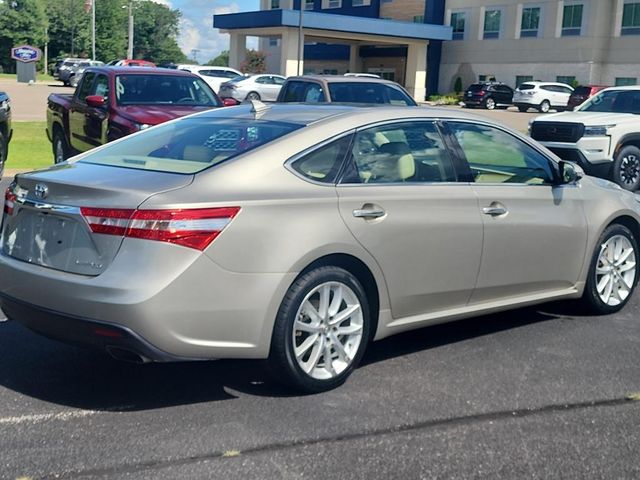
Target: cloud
[[196, 26]]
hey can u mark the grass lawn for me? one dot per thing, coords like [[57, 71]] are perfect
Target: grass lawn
[[29, 148], [39, 77]]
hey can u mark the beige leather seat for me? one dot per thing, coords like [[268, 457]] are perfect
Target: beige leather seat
[[395, 163]]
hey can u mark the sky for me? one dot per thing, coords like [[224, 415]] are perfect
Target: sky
[[196, 26]]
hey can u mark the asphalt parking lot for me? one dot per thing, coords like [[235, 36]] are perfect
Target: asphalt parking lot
[[543, 392]]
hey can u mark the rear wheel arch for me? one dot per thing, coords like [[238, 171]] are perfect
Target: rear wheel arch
[[359, 270]]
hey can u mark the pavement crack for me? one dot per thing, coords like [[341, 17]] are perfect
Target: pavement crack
[[279, 446]]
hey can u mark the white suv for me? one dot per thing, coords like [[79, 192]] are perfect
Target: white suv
[[602, 135], [542, 95]]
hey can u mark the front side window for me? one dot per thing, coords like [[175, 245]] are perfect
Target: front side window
[[495, 156], [572, 20], [87, 84], [323, 164], [631, 18], [457, 23], [400, 153], [101, 86], [190, 144], [492, 23], [530, 22]]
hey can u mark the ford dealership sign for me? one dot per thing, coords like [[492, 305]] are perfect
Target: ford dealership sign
[[26, 53]]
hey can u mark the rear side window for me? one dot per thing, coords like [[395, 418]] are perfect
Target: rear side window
[[190, 144], [297, 91], [526, 86], [323, 164]]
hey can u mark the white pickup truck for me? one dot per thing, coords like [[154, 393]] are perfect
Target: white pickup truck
[[602, 135]]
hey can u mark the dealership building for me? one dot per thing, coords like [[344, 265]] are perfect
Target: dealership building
[[428, 45]]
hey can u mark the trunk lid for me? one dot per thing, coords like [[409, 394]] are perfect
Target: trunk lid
[[42, 223]]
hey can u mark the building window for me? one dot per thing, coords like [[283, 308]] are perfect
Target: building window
[[457, 22], [330, 71], [275, 4], [361, 3], [486, 78], [418, 19], [492, 23], [572, 20], [530, 22], [631, 18], [520, 79], [273, 41], [567, 79], [331, 3], [626, 81], [309, 4]]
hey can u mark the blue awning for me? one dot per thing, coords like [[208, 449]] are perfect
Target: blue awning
[[331, 22]]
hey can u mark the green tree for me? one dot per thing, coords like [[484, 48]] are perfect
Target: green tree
[[21, 21], [221, 60], [69, 29], [255, 62], [156, 28], [111, 29]]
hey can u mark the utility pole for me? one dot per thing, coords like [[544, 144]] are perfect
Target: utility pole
[[130, 48], [300, 38], [194, 54], [93, 29]]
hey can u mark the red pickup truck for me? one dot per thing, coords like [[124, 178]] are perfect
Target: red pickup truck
[[111, 102]]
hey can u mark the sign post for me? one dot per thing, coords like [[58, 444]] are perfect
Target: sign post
[[26, 57]]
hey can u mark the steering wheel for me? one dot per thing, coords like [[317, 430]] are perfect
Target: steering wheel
[[185, 100]]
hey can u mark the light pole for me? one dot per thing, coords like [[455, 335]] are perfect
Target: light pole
[[130, 47], [300, 38]]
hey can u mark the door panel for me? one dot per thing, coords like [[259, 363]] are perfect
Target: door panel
[[401, 201]]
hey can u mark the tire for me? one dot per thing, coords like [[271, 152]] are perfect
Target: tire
[[544, 107], [626, 168], [308, 371], [4, 152], [490, 104], [253, 96], [59, 146], [523, 109], [602, 296]]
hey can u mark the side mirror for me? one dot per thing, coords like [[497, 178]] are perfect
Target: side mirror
[[95, 101], [570, 172]]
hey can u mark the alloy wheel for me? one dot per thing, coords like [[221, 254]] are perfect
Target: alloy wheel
[[630, 169], [327, 330], [490, 104], [615, 270]]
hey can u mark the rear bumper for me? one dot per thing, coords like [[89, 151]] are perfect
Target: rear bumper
[[81, 331]]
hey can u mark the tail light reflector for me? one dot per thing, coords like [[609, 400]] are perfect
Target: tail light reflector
[[193, 228], [9, 201]]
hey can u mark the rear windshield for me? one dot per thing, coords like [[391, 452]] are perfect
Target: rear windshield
[[189, 145], [582, 91], [154, 89], [616, 101], [476, 87], [526, 86], [361, 92]]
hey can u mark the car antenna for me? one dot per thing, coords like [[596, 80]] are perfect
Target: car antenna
[[258, 108]]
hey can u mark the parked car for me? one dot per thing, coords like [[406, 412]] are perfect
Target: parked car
[[112, 102], [602, 135], [326, 89], [488, 95], [214, 76], [5, 129], [75, 73], [132, 62], [582, 93], [63, 64], [542, 96], [253, 87], [300, 233]]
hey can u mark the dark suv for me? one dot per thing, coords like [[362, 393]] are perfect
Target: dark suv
[[488, 95], [582, 93], [5, 129]]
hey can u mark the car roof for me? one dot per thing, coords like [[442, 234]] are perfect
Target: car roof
[[340, 79], [305, 114], [538, 83]]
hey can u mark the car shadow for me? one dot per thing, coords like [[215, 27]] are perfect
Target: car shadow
[[57, 373]]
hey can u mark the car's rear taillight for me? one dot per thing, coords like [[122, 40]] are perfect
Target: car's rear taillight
[[193, 228], [9, 201]]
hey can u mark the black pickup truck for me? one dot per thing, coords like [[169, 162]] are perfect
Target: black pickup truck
[[5, 129]]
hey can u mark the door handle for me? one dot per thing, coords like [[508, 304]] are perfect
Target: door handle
[[369, 213], [494, 210]]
